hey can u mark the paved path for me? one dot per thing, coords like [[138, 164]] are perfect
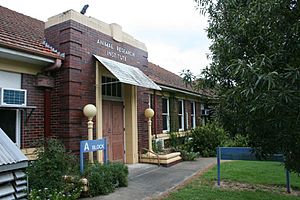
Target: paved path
[[149, 181]]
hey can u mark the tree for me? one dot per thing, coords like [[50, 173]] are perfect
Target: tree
[[188, 77], [255, 69]]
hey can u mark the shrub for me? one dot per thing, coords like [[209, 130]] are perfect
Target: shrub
[[175, 141], [238, 141], [73, 192], [188, 156], [52, 164], [207, 138], [103, 179], [120, 174], [45, 175]]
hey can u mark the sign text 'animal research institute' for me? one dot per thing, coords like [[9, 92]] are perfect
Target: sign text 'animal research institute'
[[121, 52]]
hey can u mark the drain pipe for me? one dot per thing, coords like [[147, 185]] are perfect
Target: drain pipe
[[47, 100], [155, 114], [57, 64]]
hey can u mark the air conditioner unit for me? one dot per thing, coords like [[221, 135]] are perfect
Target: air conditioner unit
[[160, 143], [13, 97], [205, 112]]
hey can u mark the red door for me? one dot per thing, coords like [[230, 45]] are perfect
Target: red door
[[113, 129]]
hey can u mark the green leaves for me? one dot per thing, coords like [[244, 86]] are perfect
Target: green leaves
[[256, 71]]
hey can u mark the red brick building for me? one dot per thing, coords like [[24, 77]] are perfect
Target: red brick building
[[98, 64]]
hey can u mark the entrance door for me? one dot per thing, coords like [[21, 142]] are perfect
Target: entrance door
[[113, 129]]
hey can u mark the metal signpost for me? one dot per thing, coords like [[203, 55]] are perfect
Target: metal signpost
[[245, 153], [90, 146]]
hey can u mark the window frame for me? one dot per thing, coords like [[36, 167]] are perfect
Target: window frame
[[193, 114], [181, 115], [17, 125], [118, 88], [166, 114]]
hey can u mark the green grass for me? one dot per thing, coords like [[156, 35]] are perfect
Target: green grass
[[254, 172], [249, 172]]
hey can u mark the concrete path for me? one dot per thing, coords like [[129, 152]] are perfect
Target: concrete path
[[150, 181]]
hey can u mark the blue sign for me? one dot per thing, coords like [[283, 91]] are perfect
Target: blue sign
[[91, 146], [245, 153]]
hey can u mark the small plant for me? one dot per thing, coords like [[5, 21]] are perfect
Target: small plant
[[189, 155], [46, 174], [238, 141], [53, 162], [120, 174], [54, 194], [103, 179], [207, 138]]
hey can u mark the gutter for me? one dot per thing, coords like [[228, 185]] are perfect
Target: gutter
[[182, 91], [57, 64]]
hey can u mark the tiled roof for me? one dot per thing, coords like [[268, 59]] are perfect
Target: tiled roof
[[24, 33], [166, 78]]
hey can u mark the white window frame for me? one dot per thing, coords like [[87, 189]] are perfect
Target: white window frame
[[181, 115], [193, 114], [18, 128], [202, 116], [13, 80], [168, 115]]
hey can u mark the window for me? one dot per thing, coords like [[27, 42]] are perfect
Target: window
[[151, 104], [181, 115], [193, 117], [165, 115], [111, 87], [10, 119], [10, 124], [203, 114]]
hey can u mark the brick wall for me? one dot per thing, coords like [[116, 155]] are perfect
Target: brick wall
[[75, 82], [32, 130], [142, 105]]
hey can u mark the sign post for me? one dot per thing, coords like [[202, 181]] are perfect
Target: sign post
[[90, 146]]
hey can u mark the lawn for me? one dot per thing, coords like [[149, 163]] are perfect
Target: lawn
[[247, 180]]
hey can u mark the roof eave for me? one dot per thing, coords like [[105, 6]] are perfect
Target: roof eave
[[31, 51], [181, 90]]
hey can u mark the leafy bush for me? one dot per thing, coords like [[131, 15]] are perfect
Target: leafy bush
[[120, 174], [238, 141], [188, 155], [54, 194], [183, 145], [45, 175], [175, 141], [207, 138], [52, 164], [103, 179]]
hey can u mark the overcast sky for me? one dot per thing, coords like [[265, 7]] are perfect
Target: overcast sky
[[173, 30]]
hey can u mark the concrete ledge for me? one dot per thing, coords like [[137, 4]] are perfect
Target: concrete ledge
[[166, 160], [30, 153], [161, 157]]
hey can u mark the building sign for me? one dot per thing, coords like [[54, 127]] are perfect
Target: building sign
[[90, 146], [116, 51]]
